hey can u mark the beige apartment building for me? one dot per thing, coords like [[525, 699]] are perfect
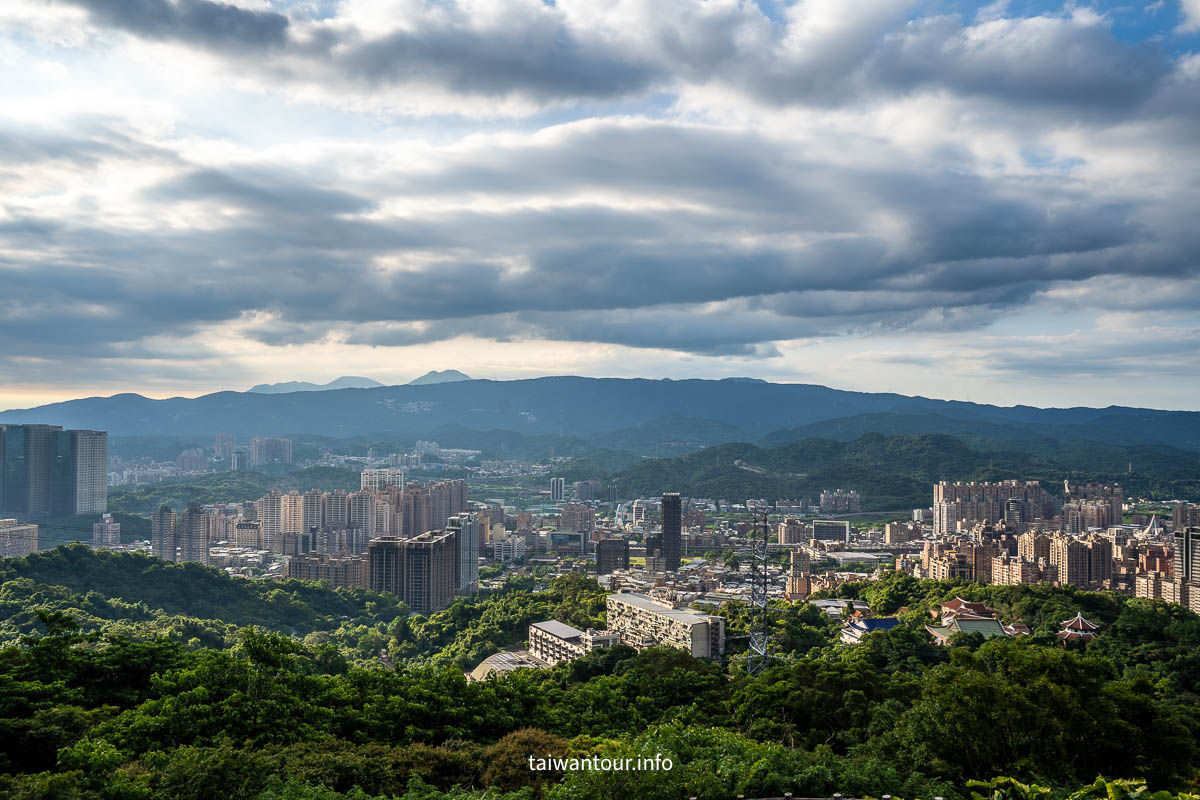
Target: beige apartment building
[[644, 622]]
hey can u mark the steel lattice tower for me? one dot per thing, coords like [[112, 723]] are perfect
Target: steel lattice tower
[[760, 621]]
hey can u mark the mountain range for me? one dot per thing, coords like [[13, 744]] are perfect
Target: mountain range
[[689, 413], [356, 382], [344, 382]]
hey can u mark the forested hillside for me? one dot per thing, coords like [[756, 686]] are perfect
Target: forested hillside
[[105, 696], [895, 472]]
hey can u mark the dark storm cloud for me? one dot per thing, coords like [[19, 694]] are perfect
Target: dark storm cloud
[[199, 22]]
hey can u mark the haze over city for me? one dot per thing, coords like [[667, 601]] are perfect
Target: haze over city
[[984, 202]]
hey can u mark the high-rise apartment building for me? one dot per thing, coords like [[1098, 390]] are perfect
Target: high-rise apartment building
[[979, 502], [799, 579], [224, 445], [558, 489], [611, 555], [1010, 571], [1033, 546], [164, 533], [430, 571], [1110, 496], [422, 571], [195, 527], [337, 510], [577, 517], [248, 533], [385, 565], [270, 450], [378, 479], [791, 531], [46, 470], [1083, 562], [87, 470], [465, 529], [1187, 555], [312, 510], [672, 538], [270, 515], [840, 501], [361, 505], [106, 533]]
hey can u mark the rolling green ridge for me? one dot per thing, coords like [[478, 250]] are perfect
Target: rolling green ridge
[[895, 472]]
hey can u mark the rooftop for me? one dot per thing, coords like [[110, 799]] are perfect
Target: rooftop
[[559, 629], [645, 603]]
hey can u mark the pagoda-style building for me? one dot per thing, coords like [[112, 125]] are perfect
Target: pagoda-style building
[[1077, 629]]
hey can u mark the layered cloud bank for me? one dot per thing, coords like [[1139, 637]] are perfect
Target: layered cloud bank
[[991, 202]]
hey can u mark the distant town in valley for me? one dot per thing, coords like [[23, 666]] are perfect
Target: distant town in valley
[[434, 524]]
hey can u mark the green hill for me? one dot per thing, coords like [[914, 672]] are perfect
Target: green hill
[[895, 472]]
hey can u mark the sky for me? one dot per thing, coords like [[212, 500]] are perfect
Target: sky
[[989, 202]]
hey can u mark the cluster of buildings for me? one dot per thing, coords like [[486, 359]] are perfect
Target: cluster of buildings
[[636, 620], [47, 471], [1013, 532], [411, 539]]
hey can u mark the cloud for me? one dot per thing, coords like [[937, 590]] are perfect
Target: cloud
[[698, 179], [221, 26]]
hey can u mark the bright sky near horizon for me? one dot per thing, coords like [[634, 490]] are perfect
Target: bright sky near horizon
[[995, 203]]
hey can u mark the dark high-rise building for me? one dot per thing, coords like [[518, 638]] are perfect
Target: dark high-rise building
[[422, 571], [46, 470], [672, 519], [1187, 555], [195, 529], [430, 571], [465, 528], [611, 554], [385, 565], [164, 533]]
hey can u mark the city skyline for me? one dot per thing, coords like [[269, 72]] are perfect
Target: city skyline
[[985, 202]]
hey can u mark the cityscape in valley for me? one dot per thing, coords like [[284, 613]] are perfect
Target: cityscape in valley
[[499, 561], [599, 400]]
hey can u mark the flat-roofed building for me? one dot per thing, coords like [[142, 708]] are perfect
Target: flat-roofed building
[[555, 642], [341, 571], [611, 554], [644, 622], [17, 539]]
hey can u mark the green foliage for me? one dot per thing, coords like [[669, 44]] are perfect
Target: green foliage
[[103, 695], [895, 472]]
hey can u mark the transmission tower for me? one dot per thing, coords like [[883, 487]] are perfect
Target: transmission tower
[[760, 621]]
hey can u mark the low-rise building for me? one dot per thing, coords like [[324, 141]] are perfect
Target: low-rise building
[[643, 622], [555, 642], [17, 539]]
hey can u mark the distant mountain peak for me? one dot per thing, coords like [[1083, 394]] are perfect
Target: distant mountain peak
[[344, 382], [445, 376]]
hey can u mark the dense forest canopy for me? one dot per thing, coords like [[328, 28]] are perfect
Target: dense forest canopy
[[123, 677]]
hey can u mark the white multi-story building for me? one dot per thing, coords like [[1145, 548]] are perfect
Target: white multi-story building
[[377, 479], [644, 622], [555, 642]]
